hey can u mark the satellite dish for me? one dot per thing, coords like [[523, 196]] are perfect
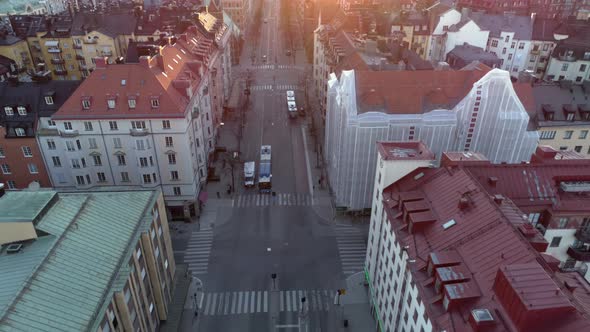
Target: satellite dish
[[34, 186]]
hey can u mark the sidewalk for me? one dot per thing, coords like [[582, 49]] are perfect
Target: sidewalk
[[356, 305], [176, 306]]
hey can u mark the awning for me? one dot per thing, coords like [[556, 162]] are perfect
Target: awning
[[52, 43]]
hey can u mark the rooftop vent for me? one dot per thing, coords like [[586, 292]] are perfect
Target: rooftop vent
[[492, 180], [498, 199], [480, 319], [123, 82], [449, 224], [14, 248]]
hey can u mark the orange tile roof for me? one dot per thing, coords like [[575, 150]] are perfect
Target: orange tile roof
[[413, 92]]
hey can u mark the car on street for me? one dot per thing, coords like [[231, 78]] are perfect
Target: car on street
[[290, 95], [292, 108], [288, 52], [264, 58]]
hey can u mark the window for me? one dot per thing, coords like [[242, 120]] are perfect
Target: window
[[21, 110], [513, 44], [87, 125], [124, 177], [147, 178], [70, 146], [562, 148], [169, 141], [131, 103], [139, 144], [583, 67], [2, 155], [504, 50], [75, 163], [173, 175], [67, 125], [8, 110], [583, 134], [92, 143], [579, 79], [521, 46], [101, 177], [510, 56], [19, 132], [11, 184], [568, 134], [121, 160], [564, 66], [176, 191], [117, 142], [5, 169], [578, 148], [51, 123], [80, 180], [563, 222], [198, 143], [113, 125], [56, 161], [172, 159], [49, 100], [33, 168], [138, 124], [143, 162], [111, 103], [155, 102], [507, 39], [545, 47], [555, 241], [494, 43], [97, 160], [27, 151], [165, 124], [570, 116], [86, 104]]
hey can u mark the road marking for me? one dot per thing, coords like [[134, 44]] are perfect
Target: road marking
[[207, 307], [214, 303], [258, 301], [240, 303], [295, 300], [266, 301], [226, 305], [307, 162], [288, 300], [301, 293], [234, 302]]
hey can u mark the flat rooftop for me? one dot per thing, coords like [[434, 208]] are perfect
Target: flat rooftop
[[404, 151]]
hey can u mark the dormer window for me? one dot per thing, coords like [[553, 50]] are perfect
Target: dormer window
[[111, 103], [132, 103], [49, 100], [155, 102], [19, 131], [21, 110], [8, 110], [86, 103]]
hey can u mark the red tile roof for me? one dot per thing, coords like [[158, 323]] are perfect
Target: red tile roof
[[413, 92], [165, 77], [481, 239]]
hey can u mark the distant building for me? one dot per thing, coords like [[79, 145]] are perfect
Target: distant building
[[544, 9], [89, 261], [450, 248], [561, 114], [462, 55], [22, 107], [33, 7], [570, 60], [542, 45], [465, 110], [17, 50], [240, 11]]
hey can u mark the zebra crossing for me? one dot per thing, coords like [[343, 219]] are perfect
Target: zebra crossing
[[351, 248], [197, 251], [253, 302], [270, 67], [267, 87], [281, 199]]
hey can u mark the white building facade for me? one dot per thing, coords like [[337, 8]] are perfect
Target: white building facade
[[490, 119]]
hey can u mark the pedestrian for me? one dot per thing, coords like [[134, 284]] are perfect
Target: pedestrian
[[228, 192], [218, 195]]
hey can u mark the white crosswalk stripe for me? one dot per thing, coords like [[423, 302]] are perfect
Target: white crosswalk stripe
[[197, 251], [351, 247], [281, 199], [269, 87], [271, 67], [253, 302]]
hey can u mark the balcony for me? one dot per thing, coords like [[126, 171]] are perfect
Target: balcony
[[60, 72], [583, 234], [79, 57], [83, 67], [106, 53], [58, 61], [138, 132], [537, 52], [579, 254], [54, 50], [566, 57], [68, 133]]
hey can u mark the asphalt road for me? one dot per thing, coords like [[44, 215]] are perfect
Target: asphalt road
[[265, 235]]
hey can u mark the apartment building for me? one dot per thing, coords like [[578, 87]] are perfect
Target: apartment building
[[32, 7], [447, 253], [17, 50], [23, 104], [30, 28], [240, 11], [88, 261], [58, 49], [543, 8], [562, 116], [542, 45], [148, 124], [474, 109], [570, 60]]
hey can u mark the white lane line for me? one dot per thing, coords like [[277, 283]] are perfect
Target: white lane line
[[301, 294], [214, 304], [266, 301], [226, 306], [294, 299], [258, 302], [234, 302], [207, 305], [240, 303], [307, 161], [252, 304], [288, 300]]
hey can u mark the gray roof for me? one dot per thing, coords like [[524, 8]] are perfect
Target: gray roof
[[63, 279], [497, 23], [557, 96], [111, 24], [543, 29], [472, 53], [9, 40]]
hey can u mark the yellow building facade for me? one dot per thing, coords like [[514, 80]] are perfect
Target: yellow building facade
[[17, 50]]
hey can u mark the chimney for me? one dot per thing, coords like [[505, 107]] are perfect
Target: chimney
[[492, 180], [498, 199], [101, 62], [463, 203]]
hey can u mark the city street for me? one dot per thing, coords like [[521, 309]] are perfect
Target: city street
[[253, 236]]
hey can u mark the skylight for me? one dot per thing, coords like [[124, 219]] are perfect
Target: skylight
[[449, 224]]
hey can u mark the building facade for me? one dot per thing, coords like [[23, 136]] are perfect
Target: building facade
[[17, 50], [447, 110], [152, 125], [570, 59], [23, 104], [240, 11], [100, 261]]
